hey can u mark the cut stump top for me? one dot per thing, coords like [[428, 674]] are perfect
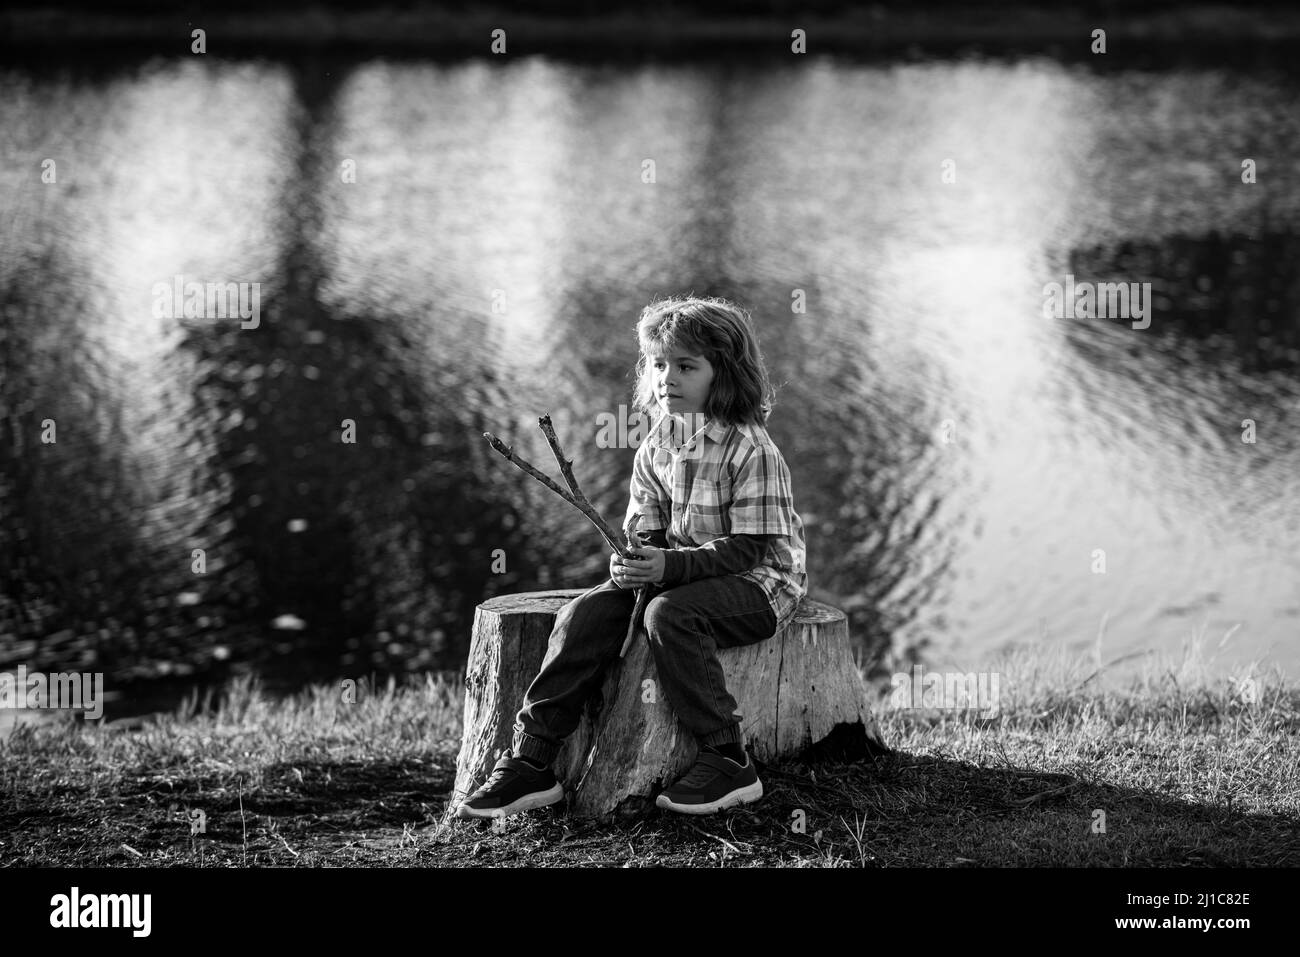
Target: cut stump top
[[798, 695], [809, 611]]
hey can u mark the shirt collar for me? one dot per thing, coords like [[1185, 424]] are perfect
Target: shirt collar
[[716, 430]]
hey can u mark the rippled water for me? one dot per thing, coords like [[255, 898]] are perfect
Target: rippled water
[[958, 458]]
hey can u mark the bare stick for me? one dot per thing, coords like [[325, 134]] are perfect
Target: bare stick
[[566, 469], [580, 503], [566, 465], [637, 612], [637, 609], [578, 500]]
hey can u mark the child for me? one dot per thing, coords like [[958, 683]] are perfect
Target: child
[[722, 550]]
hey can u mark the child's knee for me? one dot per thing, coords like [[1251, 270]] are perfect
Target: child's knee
[[664, 616]]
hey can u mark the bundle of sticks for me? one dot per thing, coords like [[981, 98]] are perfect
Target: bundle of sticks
[[574, 496]]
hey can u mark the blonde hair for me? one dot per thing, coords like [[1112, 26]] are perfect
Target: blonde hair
[[723, 333]]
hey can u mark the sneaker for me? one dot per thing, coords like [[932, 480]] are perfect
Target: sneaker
[[513, 786], [714, 782]]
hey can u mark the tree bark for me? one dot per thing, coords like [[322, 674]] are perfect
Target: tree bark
[[800, 694]]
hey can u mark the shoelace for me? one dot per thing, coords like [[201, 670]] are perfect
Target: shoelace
[[498, 774], [699, 775], [497, 777]]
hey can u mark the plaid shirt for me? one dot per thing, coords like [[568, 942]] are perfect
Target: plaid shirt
[[731, 480]]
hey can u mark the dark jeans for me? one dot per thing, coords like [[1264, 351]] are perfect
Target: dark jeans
[[686, 625]]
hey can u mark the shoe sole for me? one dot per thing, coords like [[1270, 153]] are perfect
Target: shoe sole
[[750, 792], [526, 803]]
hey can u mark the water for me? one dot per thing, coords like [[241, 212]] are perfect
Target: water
[[959, 459]]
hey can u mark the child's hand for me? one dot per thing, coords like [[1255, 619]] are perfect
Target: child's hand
[[618, 572], [635, 572]]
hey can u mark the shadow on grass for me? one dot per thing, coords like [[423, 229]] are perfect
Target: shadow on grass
[[259, 818], [894, 810], [904, 810], [929, 811]]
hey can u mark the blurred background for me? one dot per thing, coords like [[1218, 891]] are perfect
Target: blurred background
[[958, 458]]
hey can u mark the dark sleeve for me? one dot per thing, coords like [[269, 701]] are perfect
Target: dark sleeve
[[657, 537], [728, 555]]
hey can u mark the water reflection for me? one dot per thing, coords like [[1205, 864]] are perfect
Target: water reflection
[[449, 249], [1198, 416]]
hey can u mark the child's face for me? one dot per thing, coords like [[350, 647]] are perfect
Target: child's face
[[681, 381]]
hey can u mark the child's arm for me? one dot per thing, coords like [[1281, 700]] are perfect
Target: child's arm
[[728, 555], [761, 509], [762, 502], [647, 498]]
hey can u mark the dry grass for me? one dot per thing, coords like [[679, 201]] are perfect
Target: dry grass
[[1187, 768]]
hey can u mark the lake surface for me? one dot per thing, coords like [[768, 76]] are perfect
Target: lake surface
[[965, 466]]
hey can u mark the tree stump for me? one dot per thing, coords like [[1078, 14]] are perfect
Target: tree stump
[[799, 691]]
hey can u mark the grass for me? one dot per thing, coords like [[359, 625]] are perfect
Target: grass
[[1187, 768]]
